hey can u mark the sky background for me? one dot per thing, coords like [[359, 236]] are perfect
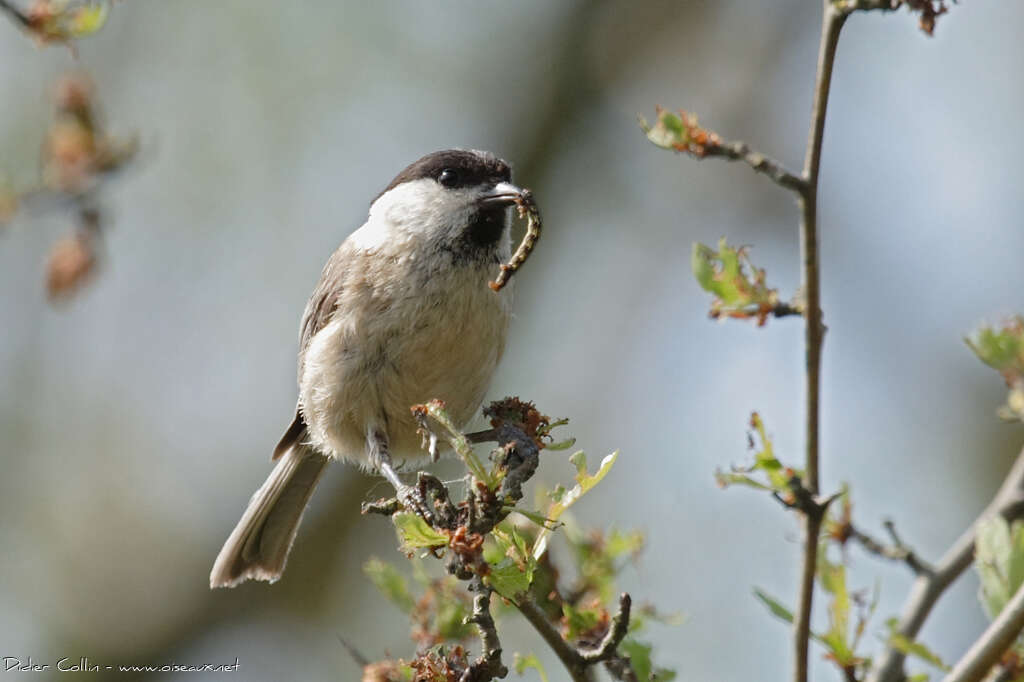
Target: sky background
[[136, 421]]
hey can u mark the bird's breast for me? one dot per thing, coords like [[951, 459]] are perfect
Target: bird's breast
[[400, 341]]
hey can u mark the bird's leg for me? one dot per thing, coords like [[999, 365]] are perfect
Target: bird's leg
[[378, 453]]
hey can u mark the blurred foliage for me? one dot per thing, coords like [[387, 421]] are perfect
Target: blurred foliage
[[900, 642], [774, 475], [1002, 348], [738, 286], [438, 609], [849, 614], [999, 560], [59, 21], [77, 157], [679, 132], [531, 662]]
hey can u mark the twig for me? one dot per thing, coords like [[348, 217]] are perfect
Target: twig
[[16, 14], [786, 310], [361, 661], [578, 661], [741, 151], [992, 644], [1009, 503], [930, 9], [568, 655], [832, 23], [489, 665], [897, 551]]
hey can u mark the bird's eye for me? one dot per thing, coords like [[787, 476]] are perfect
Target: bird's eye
[[448, 177]]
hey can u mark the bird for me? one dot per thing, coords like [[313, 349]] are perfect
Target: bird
[[402, 314]]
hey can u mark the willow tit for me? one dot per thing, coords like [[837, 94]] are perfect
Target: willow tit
[[402, 314]]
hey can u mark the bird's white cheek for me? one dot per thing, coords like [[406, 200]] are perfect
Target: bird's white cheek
[[371, 236]]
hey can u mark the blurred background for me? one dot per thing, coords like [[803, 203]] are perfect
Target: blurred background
[[136, 420]]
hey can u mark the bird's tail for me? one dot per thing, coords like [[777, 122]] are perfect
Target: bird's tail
[[258, 546]]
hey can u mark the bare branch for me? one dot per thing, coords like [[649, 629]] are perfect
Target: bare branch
[[928, 588], [832, 23], [741, 151], [897, 551], [993, 643], [16, 14], [566, 653], [489, 665]]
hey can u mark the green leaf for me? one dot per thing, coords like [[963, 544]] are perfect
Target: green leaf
[[536, 517], [87, 19], [561, 445], [511, 565], [640, 659], [459, 442], [639, 656], [833, 580], [523, 663], [738, 287], [726, 478], [585, 482], [776, 475], [509, 579], [774, 605], [1002, 349], [66, 21], [413, 532], [909, 647], [579, 621], [391, 583], [992, 552], [450, 621]]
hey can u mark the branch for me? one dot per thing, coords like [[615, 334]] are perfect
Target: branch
[[16, 14], [928, 588], [741, 151], [576, 660], [566, 653], [897, 551], [993, 643], [489, 665], [930, 9], [832, 23], [682, 133]]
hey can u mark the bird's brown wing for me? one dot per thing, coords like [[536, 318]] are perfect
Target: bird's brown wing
[[319, 310], [323, 300], [291, 437]]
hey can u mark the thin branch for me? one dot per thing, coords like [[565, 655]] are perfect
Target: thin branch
[[928, 588], [741, 151], [566, 653], [930, 9], [578, 661], [993, 643], [897, 551], [489, 665], [832, 23], [355, 654], [16, 14], [787, 310]]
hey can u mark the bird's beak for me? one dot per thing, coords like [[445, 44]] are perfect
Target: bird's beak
[[503, 194]]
